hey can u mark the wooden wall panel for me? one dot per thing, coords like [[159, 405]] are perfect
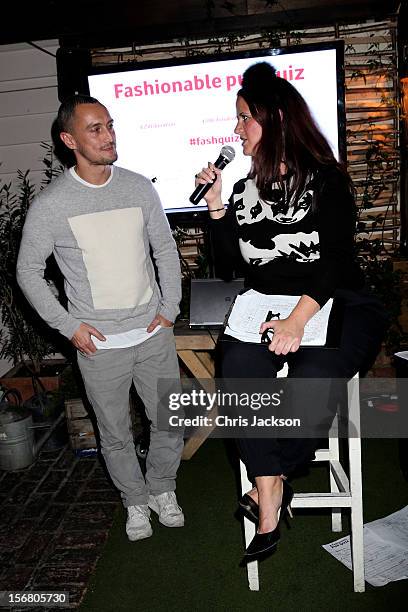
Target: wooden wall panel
[[22, 102], [28, 106], [26, 156], [25, 62]]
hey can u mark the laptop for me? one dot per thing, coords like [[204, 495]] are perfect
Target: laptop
[[210, 300]]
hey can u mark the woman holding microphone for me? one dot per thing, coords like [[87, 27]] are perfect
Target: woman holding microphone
[[290, 227]]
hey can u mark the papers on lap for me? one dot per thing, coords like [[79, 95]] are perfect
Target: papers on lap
[[252, 308]]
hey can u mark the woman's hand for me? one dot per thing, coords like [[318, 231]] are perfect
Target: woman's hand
[[287, 335], [213, 195]]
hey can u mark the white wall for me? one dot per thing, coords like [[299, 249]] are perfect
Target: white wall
[[28, 106]]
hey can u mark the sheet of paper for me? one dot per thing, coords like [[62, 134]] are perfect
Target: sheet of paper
[[402, 354], [251, 309], [385, 549]]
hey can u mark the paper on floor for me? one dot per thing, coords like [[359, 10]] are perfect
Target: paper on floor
[[385, 549]]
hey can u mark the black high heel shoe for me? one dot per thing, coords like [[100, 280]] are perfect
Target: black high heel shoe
[[250, 507], [264, 542]]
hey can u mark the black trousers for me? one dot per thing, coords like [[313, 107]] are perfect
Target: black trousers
[[357, 326]]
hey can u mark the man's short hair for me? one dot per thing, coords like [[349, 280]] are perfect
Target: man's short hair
[[67, 109]]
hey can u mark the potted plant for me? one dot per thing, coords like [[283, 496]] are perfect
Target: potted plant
[[24, 338]]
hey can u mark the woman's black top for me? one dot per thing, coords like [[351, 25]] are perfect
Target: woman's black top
[[287, 245]]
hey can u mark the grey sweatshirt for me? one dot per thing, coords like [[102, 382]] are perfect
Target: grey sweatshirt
[[101, 239]]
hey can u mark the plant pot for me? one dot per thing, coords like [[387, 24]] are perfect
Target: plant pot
[[46, 408], [19, 377]]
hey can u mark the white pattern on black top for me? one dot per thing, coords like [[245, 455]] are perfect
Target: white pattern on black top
[[261, 237]]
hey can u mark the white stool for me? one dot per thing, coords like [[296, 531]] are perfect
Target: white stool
[[343, 493]]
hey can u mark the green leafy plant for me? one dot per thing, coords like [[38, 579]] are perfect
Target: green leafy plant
[[385, 282], [377, 247], [24, 337]]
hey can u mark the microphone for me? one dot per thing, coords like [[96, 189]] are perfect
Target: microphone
[[227, 154]]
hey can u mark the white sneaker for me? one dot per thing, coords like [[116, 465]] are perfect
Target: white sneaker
[[165, 505], [138, 523]]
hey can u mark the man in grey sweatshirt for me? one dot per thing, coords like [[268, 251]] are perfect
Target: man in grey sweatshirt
[[101, 222]]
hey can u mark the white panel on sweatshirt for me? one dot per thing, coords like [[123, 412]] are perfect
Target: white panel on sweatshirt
[[114, 256]]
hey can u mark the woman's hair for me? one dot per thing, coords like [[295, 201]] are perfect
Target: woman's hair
[[289, 132]]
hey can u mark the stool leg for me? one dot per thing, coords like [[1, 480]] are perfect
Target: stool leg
[[334, 456], [356, 489], [249, 531]]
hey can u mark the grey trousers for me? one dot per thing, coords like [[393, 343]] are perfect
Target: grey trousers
[[107, 376]]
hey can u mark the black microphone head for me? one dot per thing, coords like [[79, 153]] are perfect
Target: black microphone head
[[228, 152]]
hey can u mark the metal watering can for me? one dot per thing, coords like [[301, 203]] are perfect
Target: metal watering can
[[18, 447]]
